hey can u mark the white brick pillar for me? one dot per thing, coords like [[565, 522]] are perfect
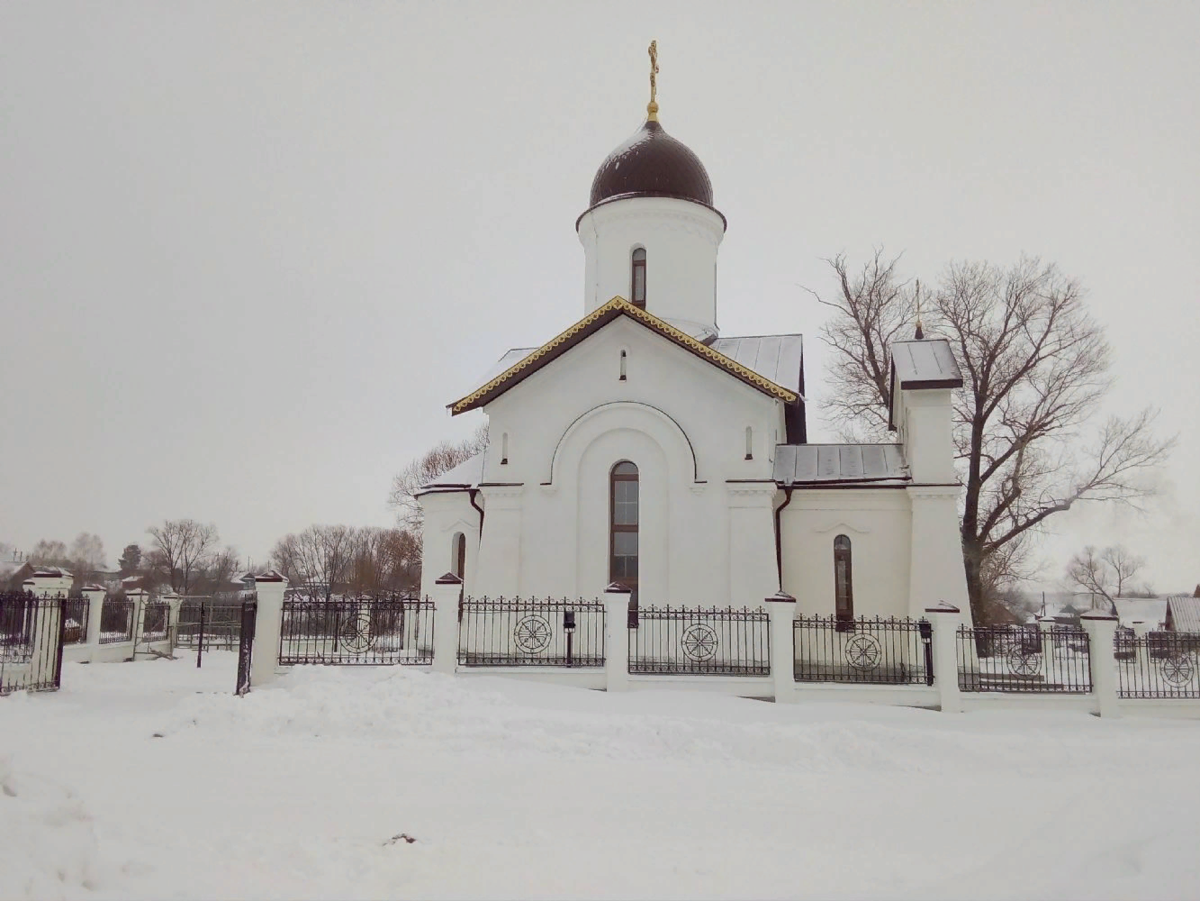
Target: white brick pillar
[[264, 659], [95, 598], [782, 609], [1101, 630], [138, 596], [173, 602], [447, 590], [946, 619], [616, 637]]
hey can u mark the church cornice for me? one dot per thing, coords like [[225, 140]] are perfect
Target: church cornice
[[593, 322]]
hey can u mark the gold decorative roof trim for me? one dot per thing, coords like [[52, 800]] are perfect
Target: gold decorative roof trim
[[620, 304]]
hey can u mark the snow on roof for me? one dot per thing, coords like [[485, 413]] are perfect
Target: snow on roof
[[1185, 613], [1144, 610], [777, 358], [927, 363], [800, 464], [467, 474]]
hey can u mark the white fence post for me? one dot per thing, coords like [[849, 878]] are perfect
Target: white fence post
[[946, 620], [781, 608], [173, 602], [138, 597], [95, 597], [447, 590], [616, 637], [1102, 633], [264, 656]]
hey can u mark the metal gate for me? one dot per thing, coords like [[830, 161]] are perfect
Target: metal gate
[[246, 645], [31, 642]]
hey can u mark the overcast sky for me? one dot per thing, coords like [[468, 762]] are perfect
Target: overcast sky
[[248, 252]]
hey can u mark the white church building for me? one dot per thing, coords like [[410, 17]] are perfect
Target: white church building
[[642, 446]]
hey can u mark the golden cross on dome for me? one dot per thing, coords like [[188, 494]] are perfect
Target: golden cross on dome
[[652, 106]]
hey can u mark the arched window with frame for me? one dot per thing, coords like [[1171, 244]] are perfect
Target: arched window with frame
[[623, 525], [843, 583], [637, 285], [458, 555]]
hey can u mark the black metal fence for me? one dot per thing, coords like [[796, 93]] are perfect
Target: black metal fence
[[116, 621], [1024, 659], [1158, 665], [695, 641], [530, 632], [249, 616], [76, 609], [214, 622], [31, 642], [363, 631], [892, 651], [156, 621]]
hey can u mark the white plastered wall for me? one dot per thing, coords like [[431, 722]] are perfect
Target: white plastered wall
[[681, 241], [681, 420], [446, 514], [878, 522]]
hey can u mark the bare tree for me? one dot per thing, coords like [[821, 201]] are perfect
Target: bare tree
[[1109, 573], [317, 559], [182, 548], [1035, 367], [873, 308], [216, 576], [50, 553], [385, 560], [87, 556], [436, 461]]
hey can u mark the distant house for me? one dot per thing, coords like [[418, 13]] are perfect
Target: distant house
[[1183, 614], [16, 579], [1151, 611]]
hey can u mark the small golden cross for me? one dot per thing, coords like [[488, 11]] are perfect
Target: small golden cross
[[652, 107]]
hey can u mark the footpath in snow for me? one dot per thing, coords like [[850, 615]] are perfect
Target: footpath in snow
[[152, 780]]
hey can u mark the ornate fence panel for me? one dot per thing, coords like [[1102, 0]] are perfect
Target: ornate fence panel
[[116, 621], [357, 631], [246, 644], [696, 641], [156, 621], [1024, 660], [876, 651], [220, 617], [1158, 665], [530, 632], [31, 642], [75, 626]]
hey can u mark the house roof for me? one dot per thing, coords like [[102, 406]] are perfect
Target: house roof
[[1185, 613], [778, 358], [815, 464], [1146, 610], [520, 367], [928, 363], [467, 474]]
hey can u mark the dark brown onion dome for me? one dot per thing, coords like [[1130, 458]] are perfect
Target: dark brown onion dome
[[652, 164]]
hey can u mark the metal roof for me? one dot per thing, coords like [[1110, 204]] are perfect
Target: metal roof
[[1152, 611], [777, 358], [774, 357], [815, 464], [467, 474], [1185, 613], [927, 363]]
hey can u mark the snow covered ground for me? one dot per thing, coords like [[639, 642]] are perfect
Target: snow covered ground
[[152, 780]]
